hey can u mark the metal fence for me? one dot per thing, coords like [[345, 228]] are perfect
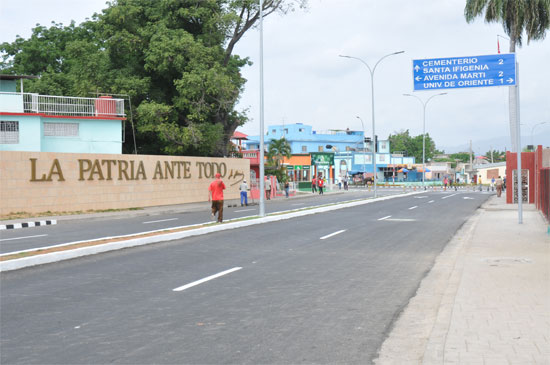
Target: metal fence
[[545, 192], [73, 106]]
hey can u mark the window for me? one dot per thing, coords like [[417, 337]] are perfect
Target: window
[[61, 129], [383, 145], [274, 131], [300, 129], [304, 148], [9, 132], [286, 130], [382, 158], [320, 149]]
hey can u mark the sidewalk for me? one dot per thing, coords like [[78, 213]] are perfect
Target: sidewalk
[[148, 211], [487, 298]]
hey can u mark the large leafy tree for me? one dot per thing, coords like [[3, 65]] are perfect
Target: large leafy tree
[[517, 17], [412, 146], [173, 58]]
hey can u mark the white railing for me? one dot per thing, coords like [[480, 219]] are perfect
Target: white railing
[[69, 106]]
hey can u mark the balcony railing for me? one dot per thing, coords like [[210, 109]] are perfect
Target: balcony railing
[[102, 107]]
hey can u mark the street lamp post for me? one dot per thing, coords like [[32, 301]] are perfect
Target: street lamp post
[[424, 133], [262, 201], [372, 105], [364, 150], [533, 130]]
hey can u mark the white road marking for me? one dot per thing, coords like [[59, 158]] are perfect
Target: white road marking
[[448, 196], [21, 238], [420, 197], [411, 208], [298, 204], [383, 218], [467, 197], [332, 234], [208, 278], [401, 220], [244, 210], [431, 201], [162, 220]]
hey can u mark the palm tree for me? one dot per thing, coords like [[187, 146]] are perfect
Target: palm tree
[[278, 149], [516, 16]]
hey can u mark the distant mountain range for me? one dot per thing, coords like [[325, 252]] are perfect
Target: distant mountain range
[[498, 144]]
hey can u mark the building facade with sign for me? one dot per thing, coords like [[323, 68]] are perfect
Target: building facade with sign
[[46, 123], [334, 155]]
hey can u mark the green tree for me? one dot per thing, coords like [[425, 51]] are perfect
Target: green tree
[[412, 146], [278, 149], [173, 58]]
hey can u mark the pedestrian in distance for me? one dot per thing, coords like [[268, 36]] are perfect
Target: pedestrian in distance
[[504, 183], [215, 195], [493, 184], [321, 184], [499, 183], [287, 189], [314, 185], [244, 196], [445, 182], [346, 183], [268, 188]]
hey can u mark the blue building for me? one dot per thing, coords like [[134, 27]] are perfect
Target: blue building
[[303, 139], [335, 154], [45, 123]]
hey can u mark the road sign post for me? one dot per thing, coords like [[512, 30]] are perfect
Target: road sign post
[[467, 72], [464, 72]]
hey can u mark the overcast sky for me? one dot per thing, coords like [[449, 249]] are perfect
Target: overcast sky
[[305, 80]]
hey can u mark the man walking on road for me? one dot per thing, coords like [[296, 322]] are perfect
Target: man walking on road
[[215, 194], [244, 188]]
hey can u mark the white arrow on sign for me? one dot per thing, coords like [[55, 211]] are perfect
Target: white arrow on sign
[[418, 78], [510, 80], [416, 68]]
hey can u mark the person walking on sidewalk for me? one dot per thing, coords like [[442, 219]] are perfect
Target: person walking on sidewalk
[[215, 194], [499, 183], [287, 189], [321, 184], [268, 188], [244, 188], [314, 185]]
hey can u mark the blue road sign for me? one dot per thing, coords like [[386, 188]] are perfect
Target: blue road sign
[[464, 72]]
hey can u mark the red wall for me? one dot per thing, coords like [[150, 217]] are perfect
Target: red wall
[[527, 162]]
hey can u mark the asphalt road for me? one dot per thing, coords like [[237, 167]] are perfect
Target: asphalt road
[[323, 288], [73, 230]]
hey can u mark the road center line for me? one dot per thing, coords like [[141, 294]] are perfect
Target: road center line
[[21, 238], [298, 204], [162, 220], [411, 208], [208, 278], [431, 201], [383, 218], [448, 196], [244, 210], [332, 234]]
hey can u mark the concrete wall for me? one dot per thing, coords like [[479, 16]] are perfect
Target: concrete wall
[[39, 181]]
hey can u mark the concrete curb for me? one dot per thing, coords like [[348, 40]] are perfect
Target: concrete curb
[[46, 258], [27, 224]]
